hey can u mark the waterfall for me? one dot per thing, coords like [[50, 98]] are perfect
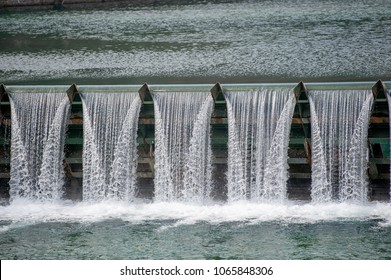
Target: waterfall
[[110, 144], [183, 154], [388, 95], [39, 123], [339, 127], [258, 136]]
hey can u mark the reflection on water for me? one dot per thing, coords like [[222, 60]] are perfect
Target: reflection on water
[[240, 41]]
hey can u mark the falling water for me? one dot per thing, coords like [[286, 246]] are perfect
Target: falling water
[[339, 123], [183, 146], [388, 94], [258, 127], [39, 123], [110, 144]]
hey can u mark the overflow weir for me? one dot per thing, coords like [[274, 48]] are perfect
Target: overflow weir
[[319, 141]]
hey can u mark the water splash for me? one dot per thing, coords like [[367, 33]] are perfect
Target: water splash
[[110, 145], [340, 122], [258, 124], [23, 213], [183, 147], [39, 123]]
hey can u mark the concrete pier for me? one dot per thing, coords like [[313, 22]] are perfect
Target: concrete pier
[[9, 4]]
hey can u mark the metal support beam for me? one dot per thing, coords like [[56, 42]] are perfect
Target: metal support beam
[[3, 91], [299, 90], [378, 88], [71, 92], [145, 93], [216, 91]]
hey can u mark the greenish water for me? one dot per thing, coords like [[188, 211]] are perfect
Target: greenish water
[[116, 239], [182, 231], [239, 41]]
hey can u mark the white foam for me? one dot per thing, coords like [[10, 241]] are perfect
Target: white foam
[[22, 212]]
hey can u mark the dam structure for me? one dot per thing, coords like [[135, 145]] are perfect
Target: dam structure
[[195, 143]]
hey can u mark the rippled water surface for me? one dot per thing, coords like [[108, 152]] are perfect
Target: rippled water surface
[[234, 41], [238, 41], [183, 231]]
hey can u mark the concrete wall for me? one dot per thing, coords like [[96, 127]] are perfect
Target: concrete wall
[[22, 3], [70, 3]]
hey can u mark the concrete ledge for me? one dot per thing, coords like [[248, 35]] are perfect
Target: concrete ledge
[[78, 3], [27, 3]]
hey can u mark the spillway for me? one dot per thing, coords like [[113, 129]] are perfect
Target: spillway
[[340, 120], [39, 122], [196, 143], [110, 146], [259, 124], [183, 155]]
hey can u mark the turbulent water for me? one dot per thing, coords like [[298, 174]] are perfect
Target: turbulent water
[[183, 156], [340, 122], [258, 128], [187, 231], [39, 122], [110, 144], [226, 41]]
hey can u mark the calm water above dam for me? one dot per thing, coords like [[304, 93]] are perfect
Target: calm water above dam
[[237, 41]]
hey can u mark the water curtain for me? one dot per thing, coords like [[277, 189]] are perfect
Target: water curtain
[[183, 156], [39, 123], [258, 126], [339, 120], [388, 96], [110, 144]]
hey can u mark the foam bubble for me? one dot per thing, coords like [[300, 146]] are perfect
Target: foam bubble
[[23, 213]]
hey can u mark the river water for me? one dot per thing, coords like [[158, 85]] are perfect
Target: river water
[[227, 41], [242, 230]]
